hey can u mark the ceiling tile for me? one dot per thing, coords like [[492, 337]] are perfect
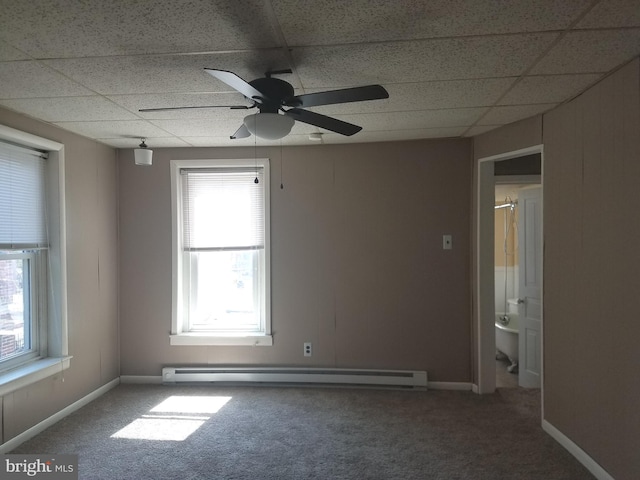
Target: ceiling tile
[[428, 95], [473, 131], [227, 123], [509, 114], [313, 22], [612, 13], [205, 127], [548, 88], [70, 109], [8, 53], [27, 79], [167, 73], [114, 129], [418, 120], [217, 141], [153, 142], [291, 139], [133, 103], [395, 135], [419, 61], [95, 27], [590, 51]]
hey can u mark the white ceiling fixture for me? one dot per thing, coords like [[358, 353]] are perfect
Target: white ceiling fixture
[[271, 126], [143, 155]]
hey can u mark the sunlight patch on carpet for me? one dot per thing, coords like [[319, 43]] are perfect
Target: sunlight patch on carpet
[[174, 419], [188, 404]]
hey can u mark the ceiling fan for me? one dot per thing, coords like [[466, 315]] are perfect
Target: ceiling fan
[[272, 96]]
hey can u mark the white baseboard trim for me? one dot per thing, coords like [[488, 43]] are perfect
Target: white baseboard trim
[[474, 388], [141, 379], [590, 464], [449, 386], [56, 417]]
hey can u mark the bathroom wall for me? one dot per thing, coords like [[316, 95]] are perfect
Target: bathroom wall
[[510, 258], [506, 264]]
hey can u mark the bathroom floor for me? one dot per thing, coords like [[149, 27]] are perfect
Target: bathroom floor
[[505, 379]]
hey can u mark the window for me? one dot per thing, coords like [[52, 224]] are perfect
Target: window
[[23, 254], [221, 252], [33, 333]]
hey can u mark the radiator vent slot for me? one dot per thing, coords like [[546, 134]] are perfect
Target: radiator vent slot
[[326, 376]]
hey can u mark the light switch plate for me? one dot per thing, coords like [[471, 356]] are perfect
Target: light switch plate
[[447, 242]]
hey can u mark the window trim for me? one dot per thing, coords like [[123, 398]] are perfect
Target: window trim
[[179, 336], [55, 333]]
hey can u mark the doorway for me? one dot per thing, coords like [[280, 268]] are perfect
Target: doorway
[[517, 251], [485, 313]]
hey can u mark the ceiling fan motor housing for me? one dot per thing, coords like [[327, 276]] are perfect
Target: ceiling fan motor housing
[[276, 93]]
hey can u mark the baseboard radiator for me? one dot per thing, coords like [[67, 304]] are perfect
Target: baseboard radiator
[[279, 375]]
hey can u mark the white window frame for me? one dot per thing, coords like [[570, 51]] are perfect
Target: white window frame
[[180, 335], [52, 355]]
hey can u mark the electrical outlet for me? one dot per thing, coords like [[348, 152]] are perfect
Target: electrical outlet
[[307, 349]]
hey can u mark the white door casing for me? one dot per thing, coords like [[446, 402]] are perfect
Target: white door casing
[[530, 286]]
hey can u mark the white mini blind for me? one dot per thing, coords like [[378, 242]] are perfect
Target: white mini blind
[[22, 198], [223, 209]]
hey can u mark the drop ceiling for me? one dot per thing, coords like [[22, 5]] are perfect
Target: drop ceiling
[[452, 67]]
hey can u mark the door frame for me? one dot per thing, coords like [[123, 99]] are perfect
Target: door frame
[[485, 269]]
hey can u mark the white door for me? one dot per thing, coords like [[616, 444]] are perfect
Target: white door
[[530, 286]]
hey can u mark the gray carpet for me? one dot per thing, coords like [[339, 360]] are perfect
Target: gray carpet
[[308, 433], [504, 378]]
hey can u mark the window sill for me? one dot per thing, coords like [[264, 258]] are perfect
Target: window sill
[[199, 338], [32, 372]]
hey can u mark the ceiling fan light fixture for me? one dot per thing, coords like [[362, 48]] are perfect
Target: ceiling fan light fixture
[[270, 126], [143, 155]]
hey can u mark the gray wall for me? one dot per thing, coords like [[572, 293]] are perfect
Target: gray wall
[[357, 261], [592, 227], [591, 230], [92, 265]]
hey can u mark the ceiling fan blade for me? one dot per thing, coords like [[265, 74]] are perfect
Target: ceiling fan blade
[[162, 109], [235, 82], [322, 121], [346, 95], [242, 132]]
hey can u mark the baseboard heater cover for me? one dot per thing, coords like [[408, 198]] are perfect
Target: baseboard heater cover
[[327, 376]]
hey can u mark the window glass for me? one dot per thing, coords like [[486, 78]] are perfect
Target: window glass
[[15, 335]]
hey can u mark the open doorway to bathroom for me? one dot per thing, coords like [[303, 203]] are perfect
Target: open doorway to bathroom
[[512, 178], [506, 283], [508, 236], [502, 180]]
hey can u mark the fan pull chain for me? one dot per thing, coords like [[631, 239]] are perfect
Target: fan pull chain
[[281, 162], [255, 150]]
